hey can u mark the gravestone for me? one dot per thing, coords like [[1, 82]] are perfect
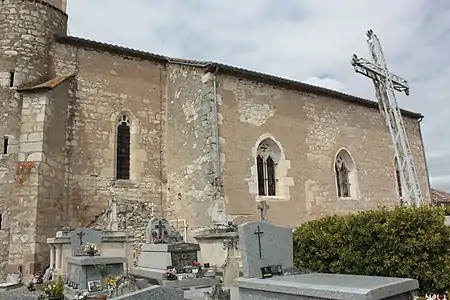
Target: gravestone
[[84, 269], [264, 245], [159, 231], [81, 236], [153, 292], [155, 258]]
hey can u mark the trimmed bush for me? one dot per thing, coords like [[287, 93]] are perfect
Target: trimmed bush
[[401, 242]]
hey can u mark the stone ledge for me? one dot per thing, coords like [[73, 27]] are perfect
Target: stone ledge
[[216, 235], [331, 286], [9, 286], [88, 260]]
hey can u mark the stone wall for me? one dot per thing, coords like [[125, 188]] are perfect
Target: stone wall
[[40, 176], [310, 129], [108, 86], [52, 203], [190, 143], [4, 252]]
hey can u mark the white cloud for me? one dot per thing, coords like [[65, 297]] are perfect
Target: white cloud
[[305, 40]]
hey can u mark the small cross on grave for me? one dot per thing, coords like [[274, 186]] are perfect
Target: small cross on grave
[[160, 228], [152, 209], [259, 232], [80, 235], [263, 207]]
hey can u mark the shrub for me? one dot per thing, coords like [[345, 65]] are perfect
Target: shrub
[[401, 242]]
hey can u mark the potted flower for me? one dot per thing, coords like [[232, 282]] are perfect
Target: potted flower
[[91, 249], [54, 289], [111, 282], [171, 274]]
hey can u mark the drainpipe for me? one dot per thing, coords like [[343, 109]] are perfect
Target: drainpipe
[[216, 125], [424, 157]]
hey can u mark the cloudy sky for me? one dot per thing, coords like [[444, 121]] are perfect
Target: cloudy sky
[[304, 40]]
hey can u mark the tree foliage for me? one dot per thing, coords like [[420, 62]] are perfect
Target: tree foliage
[[401, 242]]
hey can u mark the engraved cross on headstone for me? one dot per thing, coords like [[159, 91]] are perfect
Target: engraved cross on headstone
[[263, 207], [259, 232], [80, 235], [160, 228]]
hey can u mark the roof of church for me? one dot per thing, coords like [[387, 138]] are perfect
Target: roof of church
[[48, 85], [438, 196], [225, 69]]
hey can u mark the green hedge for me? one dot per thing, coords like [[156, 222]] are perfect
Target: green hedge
[[400, 242]]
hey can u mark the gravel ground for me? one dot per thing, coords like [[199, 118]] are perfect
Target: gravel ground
[[19, 294]]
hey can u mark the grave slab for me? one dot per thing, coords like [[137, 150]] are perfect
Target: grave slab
[[153, 292], [263, 244], [83, 269], [317, 286]]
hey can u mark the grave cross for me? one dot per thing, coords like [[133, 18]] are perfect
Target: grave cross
[[160, 228], [152, 209], [259, 232], [263, 207], [80, 235]]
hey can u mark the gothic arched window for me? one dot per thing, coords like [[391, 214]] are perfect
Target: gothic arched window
[[345, 172], [266, 161], [123, 149]]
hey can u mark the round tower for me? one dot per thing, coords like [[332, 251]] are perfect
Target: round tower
[[27, 28]]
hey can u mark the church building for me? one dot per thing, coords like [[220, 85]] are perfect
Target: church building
[[85, 124]]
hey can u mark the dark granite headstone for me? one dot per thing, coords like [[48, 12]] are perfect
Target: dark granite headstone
[[183, 254]]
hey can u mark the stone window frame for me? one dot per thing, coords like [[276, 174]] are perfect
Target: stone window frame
[[283, 182], [399, 186], [135, 167], [345, 155]]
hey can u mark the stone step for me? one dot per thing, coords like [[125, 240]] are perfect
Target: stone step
[[6, 286]]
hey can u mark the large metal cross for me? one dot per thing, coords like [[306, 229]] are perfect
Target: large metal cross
[[378, 72], [259, 232], [263, 207], [80, 235]]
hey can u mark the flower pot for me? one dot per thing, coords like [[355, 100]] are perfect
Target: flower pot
[[61, 297]]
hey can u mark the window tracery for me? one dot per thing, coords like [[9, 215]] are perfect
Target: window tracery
[[266, 167]]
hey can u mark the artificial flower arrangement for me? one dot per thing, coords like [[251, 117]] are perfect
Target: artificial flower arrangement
[[91, 249], [81, 296], [431, 297], [196, 264], [54, 289], [111, 282], [171, 274]]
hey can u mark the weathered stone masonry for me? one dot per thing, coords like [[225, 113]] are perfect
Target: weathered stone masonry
[[26, 35], [62, 111]]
